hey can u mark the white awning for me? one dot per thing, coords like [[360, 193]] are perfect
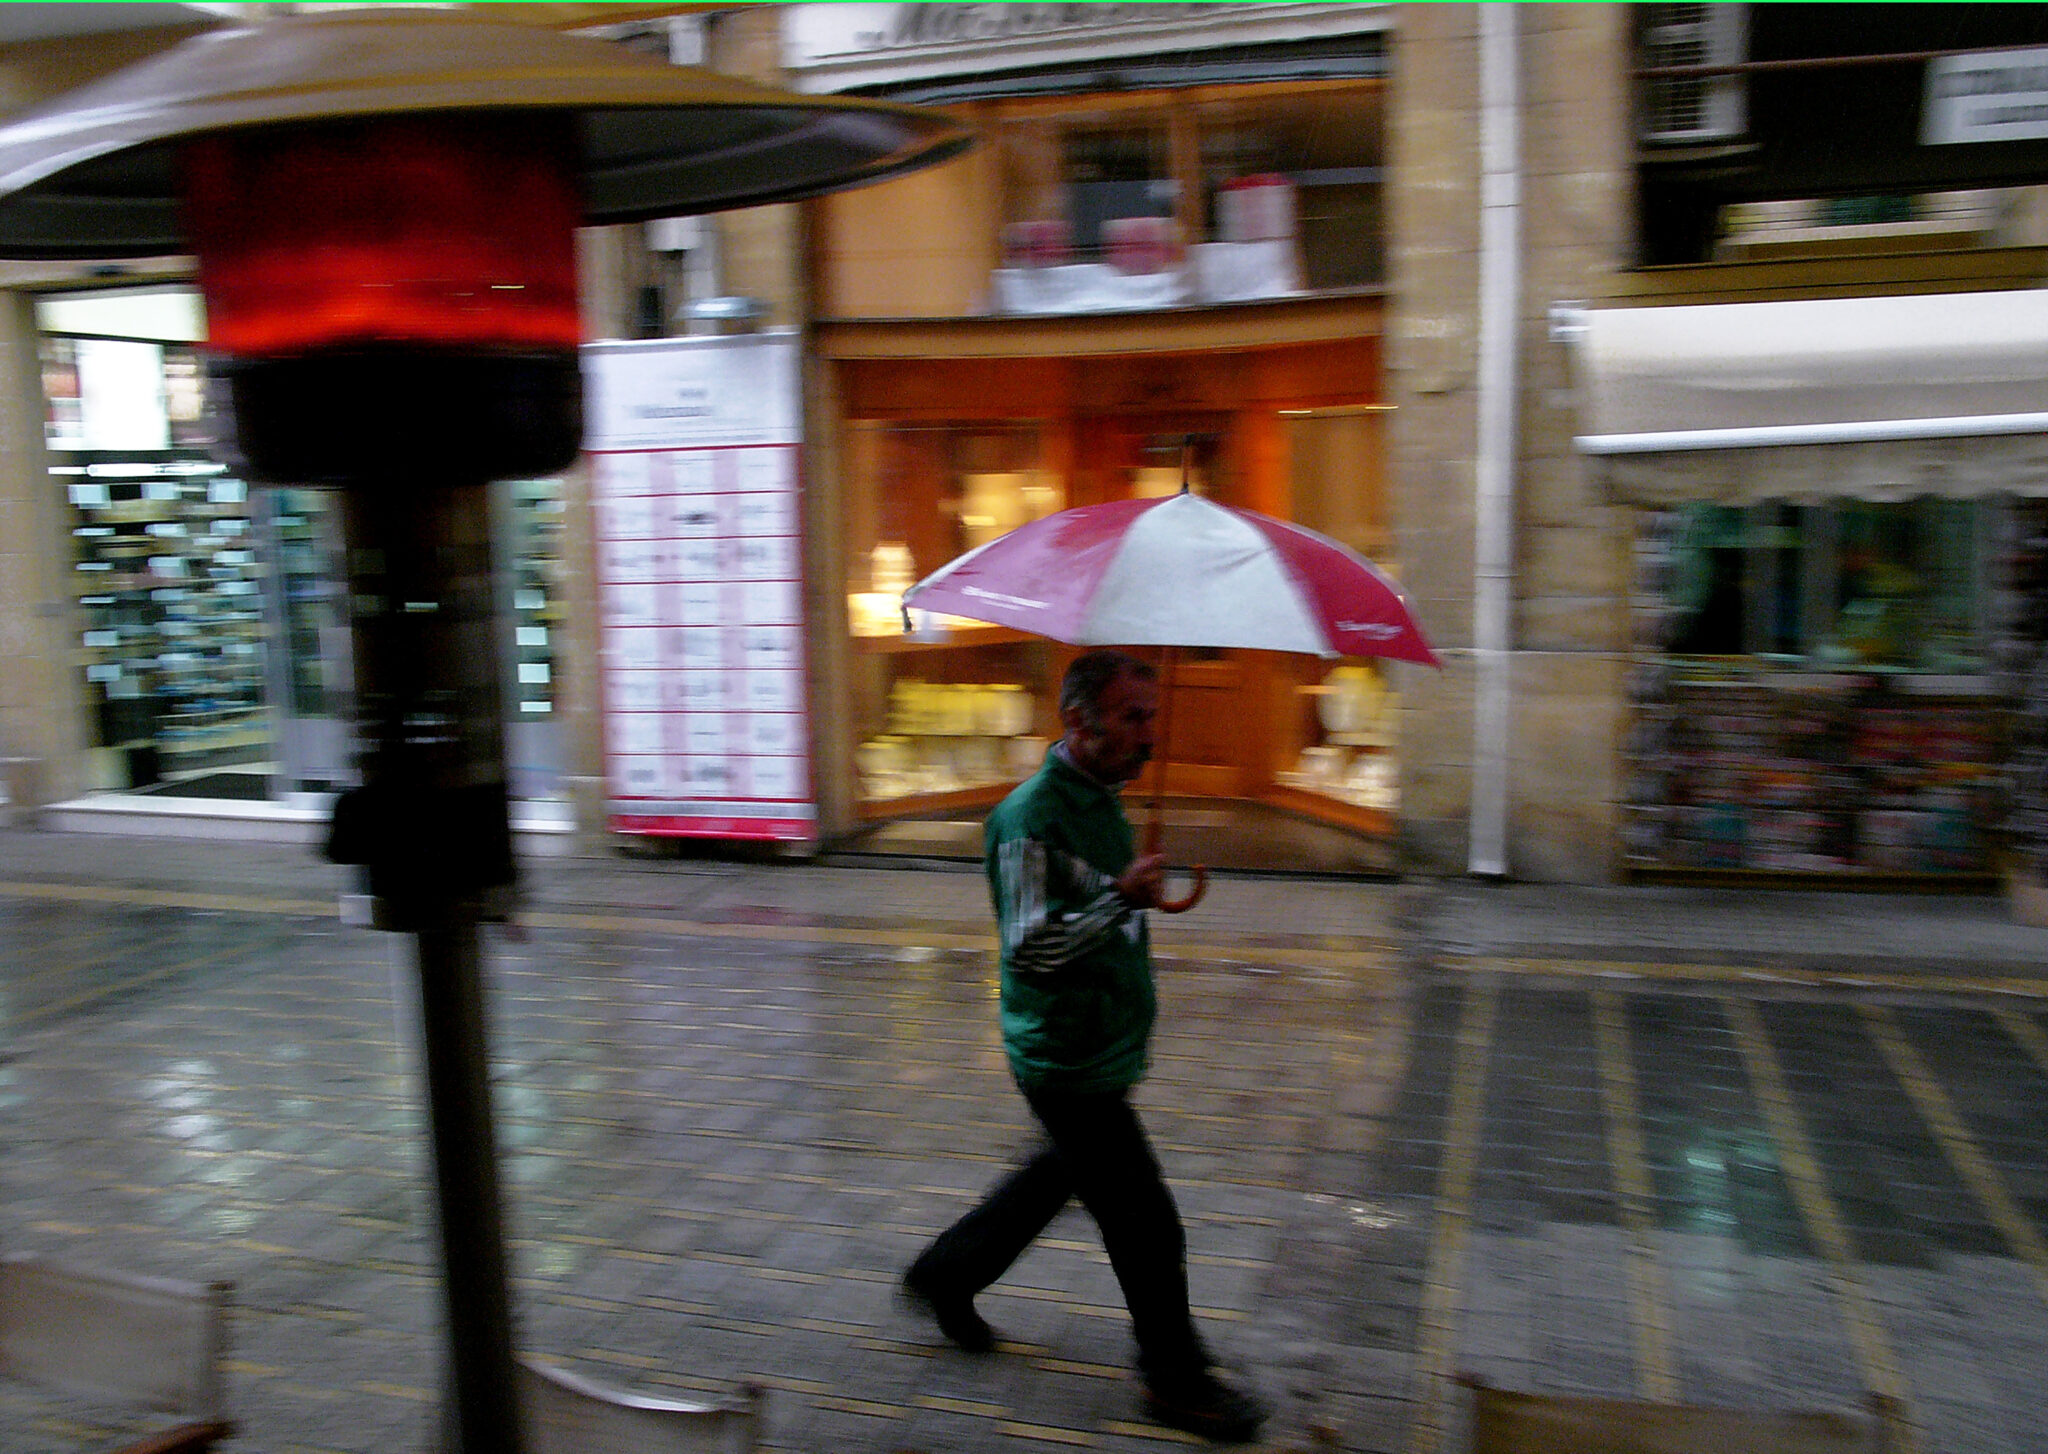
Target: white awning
[[1885, 397]]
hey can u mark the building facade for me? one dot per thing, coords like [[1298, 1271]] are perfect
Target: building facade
[[1162, 266], [1618, 333], [1779, 346]]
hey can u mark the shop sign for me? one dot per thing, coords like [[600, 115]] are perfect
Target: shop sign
[[693, 447], [840, 47], [1991, 96]]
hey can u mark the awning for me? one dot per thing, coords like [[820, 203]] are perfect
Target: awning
[[1884, 397]]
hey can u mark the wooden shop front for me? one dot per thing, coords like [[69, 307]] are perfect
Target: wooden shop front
[[952, 432]]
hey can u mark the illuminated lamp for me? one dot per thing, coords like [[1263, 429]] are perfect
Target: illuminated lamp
[[383, 206]]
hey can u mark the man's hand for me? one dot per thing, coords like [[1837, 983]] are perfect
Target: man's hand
[[1144, 881]]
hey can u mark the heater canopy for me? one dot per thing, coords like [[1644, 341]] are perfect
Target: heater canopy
[[95, 172]]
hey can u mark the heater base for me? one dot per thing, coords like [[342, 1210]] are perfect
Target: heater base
[[369, 415]]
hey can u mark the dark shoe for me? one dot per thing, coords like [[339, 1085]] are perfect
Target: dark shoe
[[1205, 1405], [954, 1313]]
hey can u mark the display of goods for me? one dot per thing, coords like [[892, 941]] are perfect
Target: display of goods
[[1807, 775]]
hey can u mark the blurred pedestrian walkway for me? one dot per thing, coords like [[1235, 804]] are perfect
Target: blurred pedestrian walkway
[[1759, 1149]]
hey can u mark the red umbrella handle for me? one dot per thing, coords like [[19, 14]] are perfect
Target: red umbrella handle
[[1154, 826], [1193, 895]]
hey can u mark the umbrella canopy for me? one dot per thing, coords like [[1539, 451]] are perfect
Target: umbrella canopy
[[1179, 571]]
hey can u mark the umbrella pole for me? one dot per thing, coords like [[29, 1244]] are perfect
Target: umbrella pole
[[1155, 825]]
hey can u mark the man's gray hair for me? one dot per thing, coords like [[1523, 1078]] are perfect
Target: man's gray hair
[[1090, 676]]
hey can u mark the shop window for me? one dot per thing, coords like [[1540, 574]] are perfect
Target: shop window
[[954, 708], [1812, 691], [1855, 585], [168, 569], [1302, 168], [1878, 222], [1342, 739], [1188, 197], [215, 638]]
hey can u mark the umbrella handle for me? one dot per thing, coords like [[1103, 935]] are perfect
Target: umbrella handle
[[1193, 895]]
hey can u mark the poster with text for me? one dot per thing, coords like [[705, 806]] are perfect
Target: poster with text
[[693, 448]]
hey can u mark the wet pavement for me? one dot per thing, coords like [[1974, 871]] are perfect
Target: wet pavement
[[1768, 1150]]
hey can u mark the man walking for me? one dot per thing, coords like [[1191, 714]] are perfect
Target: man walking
[[1070, 893]]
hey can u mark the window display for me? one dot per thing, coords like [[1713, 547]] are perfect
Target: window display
[[954, 706], [1348, 722], [1849, 584], [942, 716], [1153, 199], [1349, 739], [1810, 691], [214, 629], [2023, 663], [168, 576]]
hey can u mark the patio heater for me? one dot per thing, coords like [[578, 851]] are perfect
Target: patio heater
[[383, 207]]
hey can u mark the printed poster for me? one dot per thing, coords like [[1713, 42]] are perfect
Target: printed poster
[[693, 447]]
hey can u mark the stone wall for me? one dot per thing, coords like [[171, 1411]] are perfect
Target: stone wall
[[42, 707], [1571, 551]]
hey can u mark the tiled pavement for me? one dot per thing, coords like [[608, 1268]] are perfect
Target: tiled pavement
[[1730, 1148]]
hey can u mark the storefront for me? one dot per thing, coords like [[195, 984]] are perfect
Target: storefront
[[212, 633], [1837, 509], [1119, 292], [950, 713]]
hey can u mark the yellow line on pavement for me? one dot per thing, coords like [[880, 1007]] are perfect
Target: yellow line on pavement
[[709, 929], [2029, 1035], [72, 1003], [1656, 1375], [1761, 976], [1278, 957], [1938, 1110], [164, 898], [1823, 1219], [1437, 1336]]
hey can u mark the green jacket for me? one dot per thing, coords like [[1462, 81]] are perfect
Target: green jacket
[[1077, 997]]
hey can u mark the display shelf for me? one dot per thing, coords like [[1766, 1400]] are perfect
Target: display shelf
[[971, 636], [1815, 777], [1330, 810], [167, 579]]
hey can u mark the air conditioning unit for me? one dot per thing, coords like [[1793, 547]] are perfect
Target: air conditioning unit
[[1694, 108]]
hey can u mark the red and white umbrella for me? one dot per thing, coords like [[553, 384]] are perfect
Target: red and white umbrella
[[1174, 572], [1178, 571]]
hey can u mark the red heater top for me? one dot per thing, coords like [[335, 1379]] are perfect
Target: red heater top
[[448, 230]]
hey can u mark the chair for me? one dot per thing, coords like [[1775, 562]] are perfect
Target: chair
[[568, 1414], [147, 1341], [1508, 1421]]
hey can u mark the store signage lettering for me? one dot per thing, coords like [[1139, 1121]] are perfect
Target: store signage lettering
[[1995, 96], [940, 24], [690, 403], [867, 44]]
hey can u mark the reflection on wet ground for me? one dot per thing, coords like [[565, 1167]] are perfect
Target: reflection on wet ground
[[723, 1135]]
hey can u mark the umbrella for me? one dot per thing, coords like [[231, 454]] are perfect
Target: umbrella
[[1174, 572]]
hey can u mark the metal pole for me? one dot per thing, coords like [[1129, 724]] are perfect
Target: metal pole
[[1500, 291], [483, 1416], [431, 827]]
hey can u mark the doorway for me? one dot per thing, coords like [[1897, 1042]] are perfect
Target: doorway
[[1214, 710]]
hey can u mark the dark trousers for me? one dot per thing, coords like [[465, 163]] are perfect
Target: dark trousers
[[1096, 1152]]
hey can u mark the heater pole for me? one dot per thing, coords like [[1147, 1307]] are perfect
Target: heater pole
[[430, 826]]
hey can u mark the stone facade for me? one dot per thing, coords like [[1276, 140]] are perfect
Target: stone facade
[[1570, 582]]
